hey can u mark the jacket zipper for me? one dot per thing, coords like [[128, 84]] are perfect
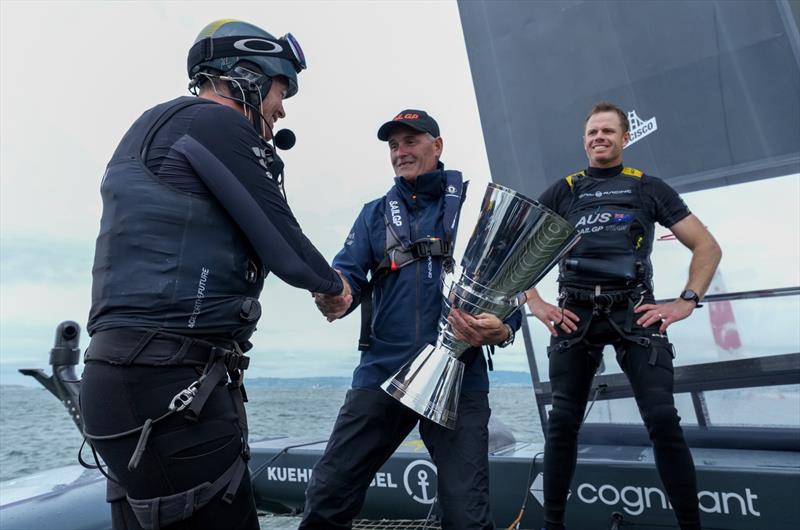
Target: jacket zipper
[[414, 226]]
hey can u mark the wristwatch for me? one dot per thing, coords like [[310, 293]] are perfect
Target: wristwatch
[[510, 340], [690, 295]]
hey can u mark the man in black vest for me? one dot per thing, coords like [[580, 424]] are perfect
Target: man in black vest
[[606, 297], [404, 241], [194, 217]]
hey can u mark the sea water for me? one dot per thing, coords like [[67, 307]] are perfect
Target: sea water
[[37, 434]]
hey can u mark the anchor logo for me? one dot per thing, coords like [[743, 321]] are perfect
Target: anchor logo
[[419, 479]]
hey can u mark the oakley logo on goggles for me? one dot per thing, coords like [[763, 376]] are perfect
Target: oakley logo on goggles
[[209, 49]]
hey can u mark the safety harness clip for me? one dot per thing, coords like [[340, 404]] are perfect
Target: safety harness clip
[[184, 398]]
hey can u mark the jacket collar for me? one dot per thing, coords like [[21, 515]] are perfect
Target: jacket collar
[[427, 188], [604, 172]]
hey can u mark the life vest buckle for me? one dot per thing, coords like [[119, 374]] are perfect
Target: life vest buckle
[[431, 247]]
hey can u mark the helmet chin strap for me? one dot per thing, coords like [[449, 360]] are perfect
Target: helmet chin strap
[[254, 99], [251, 97]]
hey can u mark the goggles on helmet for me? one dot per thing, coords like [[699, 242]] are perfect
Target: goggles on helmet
[[286, 48]]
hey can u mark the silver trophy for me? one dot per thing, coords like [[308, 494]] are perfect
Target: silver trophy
[[514, 245]]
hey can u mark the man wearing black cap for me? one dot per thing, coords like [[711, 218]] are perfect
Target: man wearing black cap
[[403, 241]]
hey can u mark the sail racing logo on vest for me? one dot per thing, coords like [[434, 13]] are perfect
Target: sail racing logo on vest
[[599, 194], [640, 128], [636, 499]]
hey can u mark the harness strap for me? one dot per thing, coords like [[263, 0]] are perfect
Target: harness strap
[[208, 382], [602, 306], [148, 347], [395, 259], [398, 257], [158, 512], [239, 398], [636, 339], [568, 343], [128, 346]]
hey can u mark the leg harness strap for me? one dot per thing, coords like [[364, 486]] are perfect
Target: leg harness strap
[[157, 512]]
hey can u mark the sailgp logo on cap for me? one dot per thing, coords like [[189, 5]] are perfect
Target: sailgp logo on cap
[[249, 45], [406, 116], [640, 128]]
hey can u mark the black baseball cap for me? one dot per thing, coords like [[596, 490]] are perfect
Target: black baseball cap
[[419, 120]]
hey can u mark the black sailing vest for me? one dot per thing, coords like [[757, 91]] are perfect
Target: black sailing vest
[[616, 232], [167, 259]]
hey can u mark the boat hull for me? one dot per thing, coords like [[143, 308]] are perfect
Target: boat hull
[[739, 489]]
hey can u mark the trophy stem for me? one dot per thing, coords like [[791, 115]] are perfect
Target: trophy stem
[[430, 385]]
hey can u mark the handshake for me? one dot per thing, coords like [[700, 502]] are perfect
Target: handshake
[[475, 330], [334, 306]]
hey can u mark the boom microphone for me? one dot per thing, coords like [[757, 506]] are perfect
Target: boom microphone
[[284, 139]]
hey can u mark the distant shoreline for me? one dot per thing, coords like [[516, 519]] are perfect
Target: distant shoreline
[[10, 377]]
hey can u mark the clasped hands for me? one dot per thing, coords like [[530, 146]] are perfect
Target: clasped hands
[[333, 306], [475, 330]]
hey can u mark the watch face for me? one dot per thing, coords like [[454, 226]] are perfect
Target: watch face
[[688, 294]]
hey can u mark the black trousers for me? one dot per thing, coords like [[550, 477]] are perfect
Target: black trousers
[[370, 426], [180, 454], [571, 373]]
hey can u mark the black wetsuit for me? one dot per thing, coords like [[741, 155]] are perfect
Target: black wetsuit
[[644, 354], [150, 313]]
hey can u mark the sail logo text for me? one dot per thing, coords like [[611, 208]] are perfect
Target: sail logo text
[[395, 209], [599, 194]]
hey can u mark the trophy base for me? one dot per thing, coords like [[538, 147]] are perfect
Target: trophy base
[[430, 385]]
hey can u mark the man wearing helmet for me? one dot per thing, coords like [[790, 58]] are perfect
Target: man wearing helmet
[[194, 217]]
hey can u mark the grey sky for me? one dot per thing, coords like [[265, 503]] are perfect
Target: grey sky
[[76, 74], [72, 88]]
